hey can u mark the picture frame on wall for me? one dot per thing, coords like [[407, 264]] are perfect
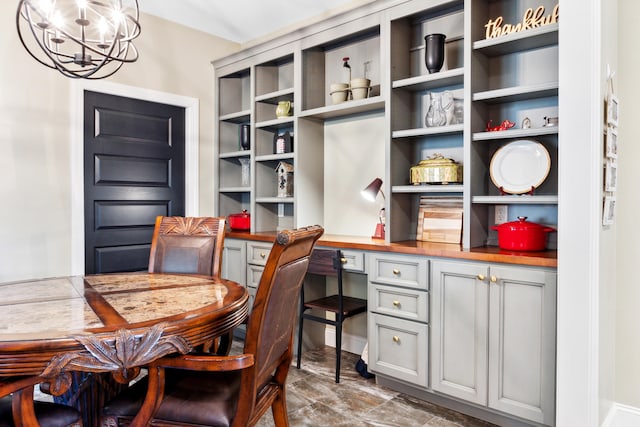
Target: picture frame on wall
[[613, 110], [611, 143], [609, 211], [610, 175]]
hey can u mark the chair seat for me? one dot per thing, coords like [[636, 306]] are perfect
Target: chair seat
[[48, 414], [350, 305], [192, 398]]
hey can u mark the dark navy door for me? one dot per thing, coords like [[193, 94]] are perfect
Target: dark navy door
[[133, 171]]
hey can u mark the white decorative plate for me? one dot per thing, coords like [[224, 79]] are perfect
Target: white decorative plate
[[520, 165]]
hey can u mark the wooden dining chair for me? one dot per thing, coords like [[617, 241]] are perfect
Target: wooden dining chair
[[187, 245], [190, 245], [328, 262], [18, 397], [211, 390]]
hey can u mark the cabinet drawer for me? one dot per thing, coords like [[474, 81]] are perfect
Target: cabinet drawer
[[257, 253], [400, 302], [354, 261], [254, 273], [399, 348], [405, 271]]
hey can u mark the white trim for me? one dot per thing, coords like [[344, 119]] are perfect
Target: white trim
[[622, 416], [579, 216], [192, 138], [351, 343]]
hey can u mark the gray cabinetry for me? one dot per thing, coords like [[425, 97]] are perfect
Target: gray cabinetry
[[398, 331], [234, 260], [493, 336], [257, 254]]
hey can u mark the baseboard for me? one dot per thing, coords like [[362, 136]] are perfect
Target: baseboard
[[622, 416], [351, 343]]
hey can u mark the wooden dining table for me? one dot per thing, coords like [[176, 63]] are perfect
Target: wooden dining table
[[114, 323]]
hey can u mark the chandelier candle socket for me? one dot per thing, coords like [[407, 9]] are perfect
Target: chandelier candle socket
[[80, 38]]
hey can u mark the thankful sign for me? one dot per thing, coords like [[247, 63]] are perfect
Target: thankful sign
[[530, 19]]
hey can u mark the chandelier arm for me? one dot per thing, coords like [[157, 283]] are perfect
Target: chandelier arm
[[33, 33]]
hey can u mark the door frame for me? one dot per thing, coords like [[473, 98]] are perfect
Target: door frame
[[192, 138]]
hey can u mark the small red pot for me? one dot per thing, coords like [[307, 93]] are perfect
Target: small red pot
[[240, 221], [522, 235]]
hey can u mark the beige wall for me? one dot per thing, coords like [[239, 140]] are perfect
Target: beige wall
[[627, 314], [607, 288], [35, 135]]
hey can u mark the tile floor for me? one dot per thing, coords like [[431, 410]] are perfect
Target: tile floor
[[314, 399]]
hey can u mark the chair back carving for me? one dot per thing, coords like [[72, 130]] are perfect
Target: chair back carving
[[187, 245]]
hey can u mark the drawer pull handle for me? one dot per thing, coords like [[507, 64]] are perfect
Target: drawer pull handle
[[396, 271], [343, 260], [396, 339], [481, 277], [494, 279], [262, 255], [396, 303]]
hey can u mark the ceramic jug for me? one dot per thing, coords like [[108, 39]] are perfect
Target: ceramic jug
[[284, 109]]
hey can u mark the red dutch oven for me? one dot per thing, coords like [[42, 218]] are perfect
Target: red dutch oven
[[240, 221], [522, 235]]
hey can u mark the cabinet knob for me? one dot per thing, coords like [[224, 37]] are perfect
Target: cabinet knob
[[481, 277], [396, 339], [262, 255], [396, 303], [396, 271], [343, 260], [493, 279]]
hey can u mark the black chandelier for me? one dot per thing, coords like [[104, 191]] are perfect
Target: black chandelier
[[86, 39]]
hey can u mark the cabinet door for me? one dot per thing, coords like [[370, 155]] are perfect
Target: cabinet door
[[399, 348], [522, 342], [234, 260], [459, 301]]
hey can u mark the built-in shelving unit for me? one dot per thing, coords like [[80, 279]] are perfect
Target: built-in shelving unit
[[338, 148], [511, 77], [508, 77]]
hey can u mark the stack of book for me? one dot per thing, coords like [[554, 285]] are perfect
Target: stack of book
[[440, 219]]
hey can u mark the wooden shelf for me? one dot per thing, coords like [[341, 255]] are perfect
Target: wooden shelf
[[431, 81], [235, 189], [516, 42], [515, 133], [276, 124], [517, 93], [426, 189], [274, 199], [516, 200], [346, 108], [274, 157], [235, 154], [439, 130], [237, 117], [275, 97]]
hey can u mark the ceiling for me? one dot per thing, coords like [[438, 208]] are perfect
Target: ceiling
[[239, 20]]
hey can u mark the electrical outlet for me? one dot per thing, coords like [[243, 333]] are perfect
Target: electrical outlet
[[501, 213]]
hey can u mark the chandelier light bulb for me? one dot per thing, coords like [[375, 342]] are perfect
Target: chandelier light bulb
[[88, 39]]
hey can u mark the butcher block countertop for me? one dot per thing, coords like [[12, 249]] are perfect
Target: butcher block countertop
[[414, 247]]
